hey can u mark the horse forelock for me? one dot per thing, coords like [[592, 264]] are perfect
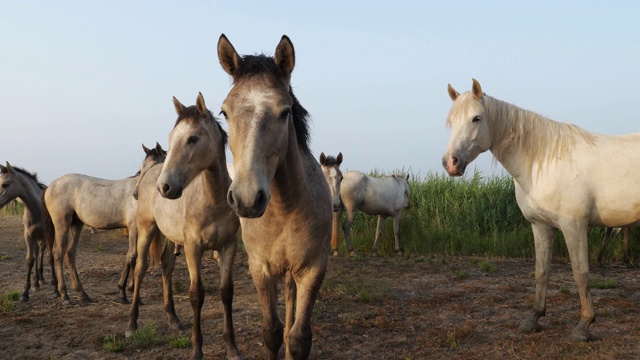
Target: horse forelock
[[31, 175], [538, 138], [191, 113], [330, 160]]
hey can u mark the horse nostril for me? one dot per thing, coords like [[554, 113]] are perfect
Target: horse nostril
[[455, 160], [166, 188], [261, 198], [230, 199]]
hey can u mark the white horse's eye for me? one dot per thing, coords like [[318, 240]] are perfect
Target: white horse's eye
[[476, 119]]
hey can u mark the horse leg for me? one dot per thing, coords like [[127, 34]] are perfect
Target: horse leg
[[76, 228], [396, 231], [40, 262], [59, 252], [226, 256], [605, 242], [346, 227], [145, 235], [625, 242], [168, 262], [300, 335], [193, 255], [543, 237], [266, 285], [576, 239], [379, 228], [129, 263], [290, 289], [29, 259], [335, 231]]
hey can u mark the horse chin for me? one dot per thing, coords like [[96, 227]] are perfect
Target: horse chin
[[249, 213], [172, 195]]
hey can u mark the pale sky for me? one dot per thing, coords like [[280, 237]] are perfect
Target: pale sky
[[84, 83]]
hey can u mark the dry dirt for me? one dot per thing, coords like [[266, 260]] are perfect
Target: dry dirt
[[411, 307]]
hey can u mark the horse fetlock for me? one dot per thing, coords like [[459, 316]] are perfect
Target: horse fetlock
[[530, 325], [24, 297], [581, 333]]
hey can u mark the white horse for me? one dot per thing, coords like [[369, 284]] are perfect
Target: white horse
[[332, 173], [386, 196], [565, 178]]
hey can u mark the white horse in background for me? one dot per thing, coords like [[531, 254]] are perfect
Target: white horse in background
[[565, 178], [386, 197]]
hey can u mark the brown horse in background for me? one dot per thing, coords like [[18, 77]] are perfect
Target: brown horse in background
[[278, 191]]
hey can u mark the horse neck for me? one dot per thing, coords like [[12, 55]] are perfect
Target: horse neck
[[215, 179], [32, 199]]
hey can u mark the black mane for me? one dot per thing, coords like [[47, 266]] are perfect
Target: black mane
[[258, 64], [32, 176], [191, 112]]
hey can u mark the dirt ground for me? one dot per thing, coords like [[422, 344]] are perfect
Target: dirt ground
[[410, 307]]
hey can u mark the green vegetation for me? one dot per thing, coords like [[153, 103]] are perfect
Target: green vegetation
[[472, 215], [596, 283], [146, 336], [180, 342], [8, 301], [112, 343], [5, 257]]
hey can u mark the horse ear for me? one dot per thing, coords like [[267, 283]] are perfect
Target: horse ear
[[178, 105], [9, 168], [159, 149], [3, 169], [339, 159], [407, 177], [323, 158], [202, 108], [285, 55], [146, 149], [476, 89], [453, 94], [227, 55]]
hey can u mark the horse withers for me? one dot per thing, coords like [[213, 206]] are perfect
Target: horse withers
[[185, 199], [278, 190], [17, 183], [565, 178]]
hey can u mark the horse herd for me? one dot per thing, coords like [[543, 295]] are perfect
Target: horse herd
[[289, 206]]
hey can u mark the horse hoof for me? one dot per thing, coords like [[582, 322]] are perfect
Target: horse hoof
[[529, 327], [128, 334], [335, 253], [581, 335], [24, 298], [175, 325], [124, 300], [85, 299], [352, 253], [67, 302]]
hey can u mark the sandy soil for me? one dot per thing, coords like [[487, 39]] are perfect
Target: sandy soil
[[411, 307]]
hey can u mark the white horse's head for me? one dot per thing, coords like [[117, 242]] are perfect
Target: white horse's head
[[333, 175], [153, 156], [470, 133], [404, 181]]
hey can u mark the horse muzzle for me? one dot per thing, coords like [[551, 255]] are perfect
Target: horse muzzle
[[248, 207], [454, 165], [170, 192]]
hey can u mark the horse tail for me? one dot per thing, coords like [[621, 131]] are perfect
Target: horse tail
[[47, 225]]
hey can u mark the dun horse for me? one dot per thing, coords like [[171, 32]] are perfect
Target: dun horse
[[386, 196], [565, 178], [278, 191], [16, 183], [333, 175], [74, 200], [186, 200]]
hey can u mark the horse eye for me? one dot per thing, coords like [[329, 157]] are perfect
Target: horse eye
[[192, 140], [4, 186], [285, 114], [476, 119], [223, 113]]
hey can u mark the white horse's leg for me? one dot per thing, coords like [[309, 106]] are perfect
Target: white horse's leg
[[379, 228], [193, 255], [576, 239], [346, 227], [226, 257], [300, 335], [61, 244], [72, 251], [168, 262], [396, 231], [543, 237]]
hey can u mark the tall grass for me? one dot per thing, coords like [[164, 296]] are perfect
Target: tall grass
[[475, 215]]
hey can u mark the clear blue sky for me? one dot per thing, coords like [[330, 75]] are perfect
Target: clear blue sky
[[84, 83]]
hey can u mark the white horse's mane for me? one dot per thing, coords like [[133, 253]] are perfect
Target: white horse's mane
[[538, 138]]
